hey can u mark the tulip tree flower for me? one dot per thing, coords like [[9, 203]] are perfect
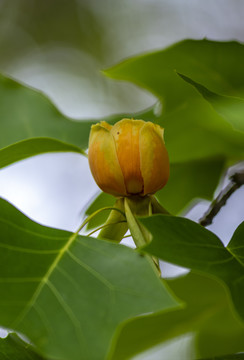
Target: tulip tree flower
[[129, 160]]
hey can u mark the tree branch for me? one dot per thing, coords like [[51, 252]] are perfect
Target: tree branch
[[236, 181]]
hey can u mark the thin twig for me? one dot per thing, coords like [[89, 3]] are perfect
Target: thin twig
[[236, 181]]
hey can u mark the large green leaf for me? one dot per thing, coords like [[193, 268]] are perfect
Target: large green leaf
[[13, 348], [26, 113], [193, 130], [231, 108], [32, 147], [186, 243], [204, 300], [68, 293], [220, 334], [30, 124]]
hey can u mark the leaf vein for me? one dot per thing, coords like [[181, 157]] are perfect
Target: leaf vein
[[92, 271], [49, 272], [69, 278], [206, 246], [68, 311], [42, 316], [26, 250]]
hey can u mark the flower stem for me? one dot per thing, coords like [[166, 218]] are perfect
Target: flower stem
[[140, 235]]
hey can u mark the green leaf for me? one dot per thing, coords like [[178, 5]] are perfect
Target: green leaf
[[68, 293], [27, 113], [220, 334], [236, 246], [32, 147], [189, 121], [204, 300], [13, 348], [188, 244], [231, 108], [214, 337], [31, 124]]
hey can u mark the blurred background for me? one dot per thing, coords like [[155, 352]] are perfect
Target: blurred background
[[60, 48]]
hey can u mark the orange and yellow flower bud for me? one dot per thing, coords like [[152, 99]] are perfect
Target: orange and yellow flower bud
[[128, 158]]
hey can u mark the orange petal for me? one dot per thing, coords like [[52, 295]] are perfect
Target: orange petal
[[126, 136], [103, 160], [153, 157]]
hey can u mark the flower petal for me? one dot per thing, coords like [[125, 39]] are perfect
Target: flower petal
[[154, 158], [103, 160], [126, 136]]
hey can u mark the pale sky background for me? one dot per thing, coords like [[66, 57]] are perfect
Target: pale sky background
[[53, 189]]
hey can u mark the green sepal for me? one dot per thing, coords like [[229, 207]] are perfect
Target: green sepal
[[116, 226], [157, 208]]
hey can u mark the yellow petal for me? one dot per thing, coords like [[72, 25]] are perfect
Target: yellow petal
[[103, 160], [153, 158], [105, 125], [126, 137]]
